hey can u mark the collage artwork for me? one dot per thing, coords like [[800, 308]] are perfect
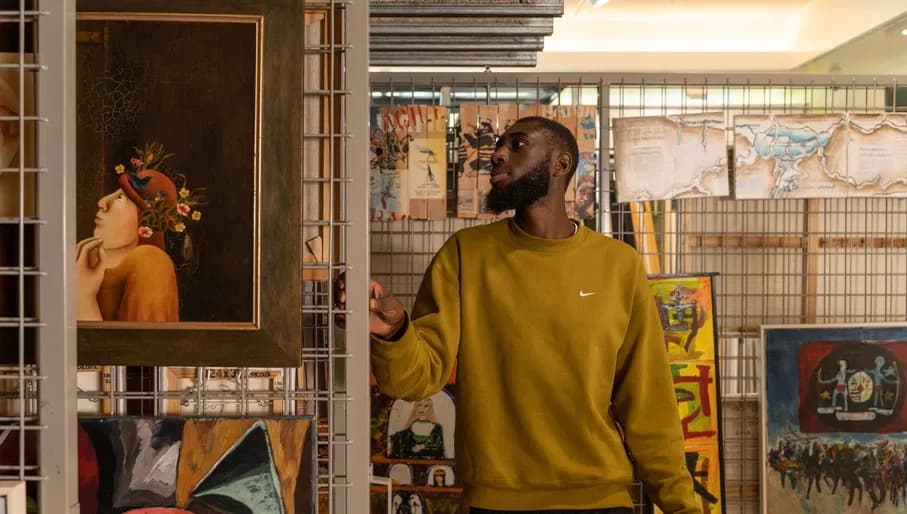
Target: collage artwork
[[409, 158]]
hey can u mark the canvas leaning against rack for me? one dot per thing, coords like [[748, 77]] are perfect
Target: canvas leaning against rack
[[834, 423]]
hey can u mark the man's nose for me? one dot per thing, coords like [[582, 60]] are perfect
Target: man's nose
[[498, 156]]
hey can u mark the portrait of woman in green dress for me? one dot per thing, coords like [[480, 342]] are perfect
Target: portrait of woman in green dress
[[426, 433]]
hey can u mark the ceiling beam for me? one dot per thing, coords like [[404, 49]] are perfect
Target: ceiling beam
[[461, 26], [500, 33], [471, 8], [454, 43], [479, 58]]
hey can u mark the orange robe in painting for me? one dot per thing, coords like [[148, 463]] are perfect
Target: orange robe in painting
[[141, 288]]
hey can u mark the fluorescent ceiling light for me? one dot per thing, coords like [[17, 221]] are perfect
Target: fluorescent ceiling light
[[598, 3]]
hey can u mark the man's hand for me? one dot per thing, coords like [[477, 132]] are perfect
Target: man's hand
[[386, 313]]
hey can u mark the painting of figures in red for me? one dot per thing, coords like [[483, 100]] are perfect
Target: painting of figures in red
[[834, 423]]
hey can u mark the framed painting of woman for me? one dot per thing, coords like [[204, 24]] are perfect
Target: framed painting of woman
[[188, 179]]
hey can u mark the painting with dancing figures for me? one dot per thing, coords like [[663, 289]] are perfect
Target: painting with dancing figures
[[834, 424]]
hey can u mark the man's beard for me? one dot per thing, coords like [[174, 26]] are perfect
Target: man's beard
[[521, 193]]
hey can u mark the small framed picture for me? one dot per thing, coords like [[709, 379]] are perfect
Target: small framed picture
[[12, 497]]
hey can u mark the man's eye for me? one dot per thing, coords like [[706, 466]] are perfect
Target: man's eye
[[518, 143]]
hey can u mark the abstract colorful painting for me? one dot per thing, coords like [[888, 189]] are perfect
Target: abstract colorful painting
[[687, 310], [834, 424], [587, 168], [413, 445], [197, 465]]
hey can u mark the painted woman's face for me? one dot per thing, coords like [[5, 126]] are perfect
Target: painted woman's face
[[423, 407], [117, 221]]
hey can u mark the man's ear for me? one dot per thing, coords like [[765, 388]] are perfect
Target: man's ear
[[562, 164]]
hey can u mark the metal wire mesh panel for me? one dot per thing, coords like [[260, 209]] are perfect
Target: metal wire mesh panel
[[332, 240], [402, 250], [776, 261], [35, 348]]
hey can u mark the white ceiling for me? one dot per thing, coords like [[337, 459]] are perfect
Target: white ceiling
[[707, 35]]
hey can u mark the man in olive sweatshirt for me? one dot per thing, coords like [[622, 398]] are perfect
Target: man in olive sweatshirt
[[563, 384]]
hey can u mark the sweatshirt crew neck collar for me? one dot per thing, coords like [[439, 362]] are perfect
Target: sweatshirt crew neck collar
[[527, 240]]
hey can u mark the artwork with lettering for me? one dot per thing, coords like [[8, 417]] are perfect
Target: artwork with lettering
[[834, 424], [686, 308], [408, 161]]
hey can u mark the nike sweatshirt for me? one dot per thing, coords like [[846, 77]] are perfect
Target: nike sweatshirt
[[559, 350]]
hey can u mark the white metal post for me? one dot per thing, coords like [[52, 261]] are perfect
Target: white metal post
[[56, 197], [357, 339]]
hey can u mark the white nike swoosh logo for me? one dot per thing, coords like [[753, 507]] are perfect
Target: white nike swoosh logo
[[585, 294]]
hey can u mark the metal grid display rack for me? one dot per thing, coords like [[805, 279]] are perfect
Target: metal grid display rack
[[39, 378], [36, 335], [332, 383], [784, 261]]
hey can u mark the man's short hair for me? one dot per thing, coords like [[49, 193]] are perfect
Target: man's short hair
[[561, 139]]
